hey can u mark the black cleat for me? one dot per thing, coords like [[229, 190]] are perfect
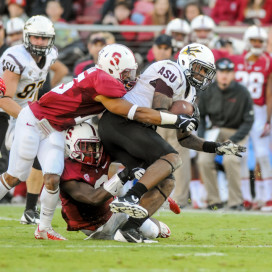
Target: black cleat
[[30, 217], [129, 205]]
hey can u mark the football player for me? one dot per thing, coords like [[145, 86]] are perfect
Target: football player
[[40, 126], [86, 192], [24, 68], [134, 144], [254, 70]]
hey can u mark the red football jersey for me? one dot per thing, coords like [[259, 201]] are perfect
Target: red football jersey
[[254, 75], [68, 104], [80, 215]]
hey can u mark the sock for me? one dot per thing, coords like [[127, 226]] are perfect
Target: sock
[[194, 188], [31, 201], [258, 184], [49, 200], [138, 190], [149, 229], [134, 223], [3, 190], [267, 192], [245, 188]]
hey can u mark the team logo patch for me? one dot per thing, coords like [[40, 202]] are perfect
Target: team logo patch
[[115, 58], [86, 177], [191, 51]]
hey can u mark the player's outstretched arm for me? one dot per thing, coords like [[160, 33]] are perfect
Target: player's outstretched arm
[[7, 103], [144, 115], [193, 142], [85, 193]]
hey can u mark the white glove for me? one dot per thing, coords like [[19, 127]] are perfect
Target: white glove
[[113, 185], [229, 148], [136, 173]]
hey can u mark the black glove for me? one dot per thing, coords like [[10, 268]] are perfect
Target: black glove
[[196, 113], [186, 123], [229, 148]]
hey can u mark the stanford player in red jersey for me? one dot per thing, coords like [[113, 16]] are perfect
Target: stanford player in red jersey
[[39, 127], [86, 192], [254, 70]]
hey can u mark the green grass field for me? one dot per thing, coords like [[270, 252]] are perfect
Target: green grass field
[[200, 241]]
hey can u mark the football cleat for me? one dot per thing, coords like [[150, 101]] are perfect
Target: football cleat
[[267, 206], [131, 236], [129, 205], [165, 231], [30, 217], [173, 206], [247, 205], [48, 234]]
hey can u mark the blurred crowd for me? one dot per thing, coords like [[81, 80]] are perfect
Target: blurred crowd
[[184, 22]]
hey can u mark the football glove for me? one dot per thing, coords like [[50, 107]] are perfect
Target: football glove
[[2, 87], [229, 148], [136, 173], [196, 114], [186, 123]]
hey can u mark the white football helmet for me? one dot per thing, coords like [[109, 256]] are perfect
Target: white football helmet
[[197, 63], [14, 30], [181, 27], [258, 33], [39, 26], [118, 61], [202, 22], [83, 144]]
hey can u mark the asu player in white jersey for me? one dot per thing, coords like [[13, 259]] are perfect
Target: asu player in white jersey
[[254, 70], [24, 68], [134, 144]]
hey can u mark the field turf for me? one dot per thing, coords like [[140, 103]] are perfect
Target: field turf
[[200, 241]]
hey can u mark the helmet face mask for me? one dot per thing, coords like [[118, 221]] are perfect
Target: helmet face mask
[[118, 61], [83, 145], [39, 26], [197, 62]]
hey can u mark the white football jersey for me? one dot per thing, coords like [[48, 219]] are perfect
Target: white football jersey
[[166, 70], [18, 60]]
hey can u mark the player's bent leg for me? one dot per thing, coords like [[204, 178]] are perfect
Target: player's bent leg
[[154, 174], [49, 200], [6, 183], [34, 184]]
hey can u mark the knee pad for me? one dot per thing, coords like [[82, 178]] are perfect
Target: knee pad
[[149, 229], [265, 166]]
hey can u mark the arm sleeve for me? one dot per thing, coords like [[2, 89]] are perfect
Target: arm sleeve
[[163, 88]]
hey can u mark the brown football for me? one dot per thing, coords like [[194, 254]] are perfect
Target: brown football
[[182, 107]]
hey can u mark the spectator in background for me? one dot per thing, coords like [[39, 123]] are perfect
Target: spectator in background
[[16, 8], [95, 44], [141, 9], [225, 12], [14, 31], [161, 49], [257, 12], [191, 10], [161, 15], [230, 109], [179, 30], [54, 10], [121, 16]]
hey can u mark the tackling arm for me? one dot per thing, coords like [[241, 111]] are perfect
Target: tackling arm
[[7, 103], [83, 192]]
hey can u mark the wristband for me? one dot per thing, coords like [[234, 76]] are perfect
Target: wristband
[[132, 111], [210, 147], [168, 119]]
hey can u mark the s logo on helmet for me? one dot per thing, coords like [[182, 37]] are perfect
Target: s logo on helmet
[[115, 58], [191, 51]]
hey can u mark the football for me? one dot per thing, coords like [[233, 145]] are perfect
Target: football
[[182, 107]]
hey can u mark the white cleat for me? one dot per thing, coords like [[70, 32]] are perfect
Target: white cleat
[[165, 231], [48, 234]]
